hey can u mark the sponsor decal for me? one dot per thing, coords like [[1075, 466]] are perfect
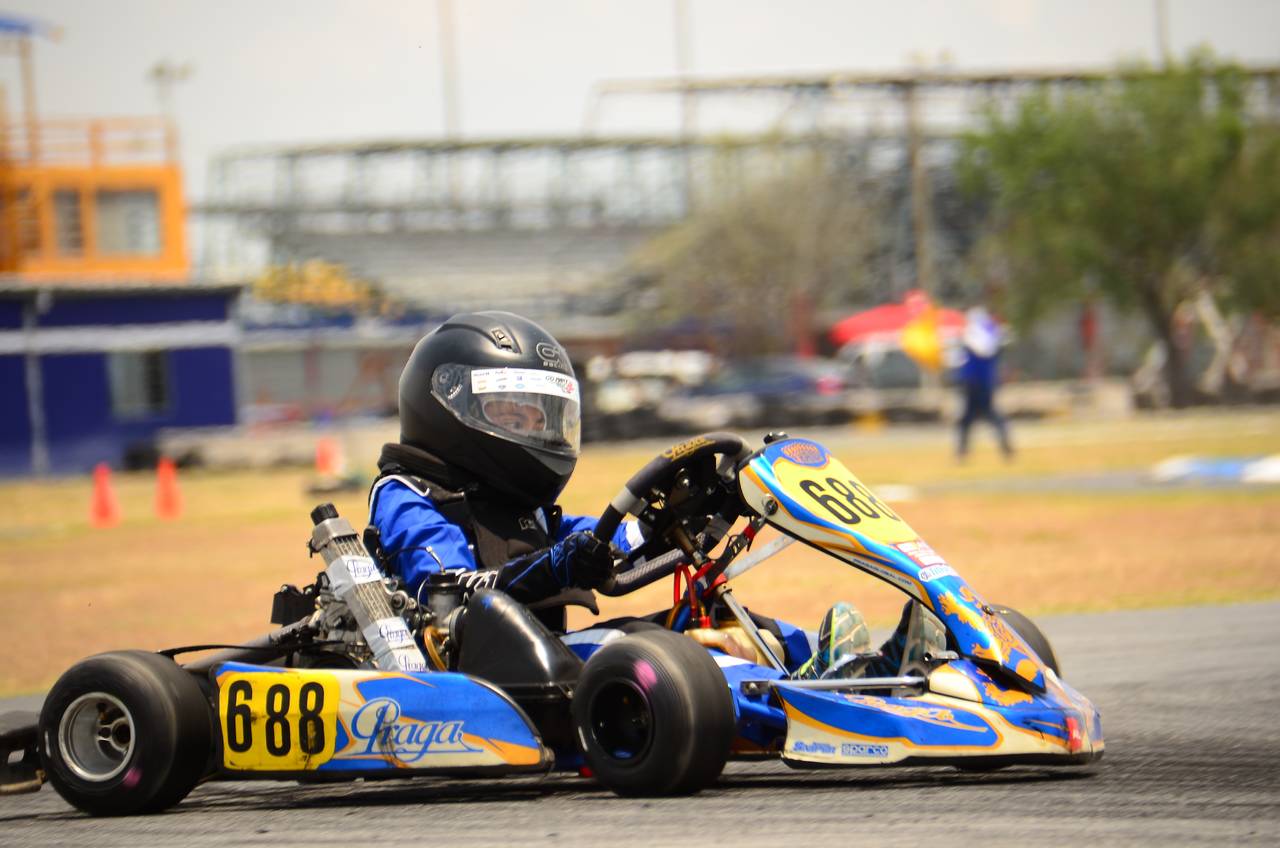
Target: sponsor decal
[[530, 380], [377, 728], [804, 453], [394, 632], [863, 749], [919, 551], [567, 385], [550, 354], [933, 572], [813, 748], [410, 660], [361, 569], [888, 574], [680, 451]]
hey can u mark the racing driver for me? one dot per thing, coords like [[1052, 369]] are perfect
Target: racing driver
[[489, 430], [489, 436]]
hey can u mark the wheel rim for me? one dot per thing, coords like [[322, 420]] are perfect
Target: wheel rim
[[621, 720], [96, 736]]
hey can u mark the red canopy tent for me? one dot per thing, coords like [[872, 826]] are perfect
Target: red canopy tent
[[885, 323]]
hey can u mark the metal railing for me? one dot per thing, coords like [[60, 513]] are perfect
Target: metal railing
[[89, 142]]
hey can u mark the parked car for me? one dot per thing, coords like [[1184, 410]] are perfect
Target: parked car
[[889, 384], [788, 390], [620, 395]]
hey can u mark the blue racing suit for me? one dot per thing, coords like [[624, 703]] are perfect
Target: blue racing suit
[[418, 540]]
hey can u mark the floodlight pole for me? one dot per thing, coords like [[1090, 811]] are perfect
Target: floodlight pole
[[449, 88], [921, 221], [683, 37], [684, 61], [1162, 31], [449, 71], [164, 74], [29, 97]]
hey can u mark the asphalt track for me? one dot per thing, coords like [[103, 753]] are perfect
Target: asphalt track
[[1190, 700]]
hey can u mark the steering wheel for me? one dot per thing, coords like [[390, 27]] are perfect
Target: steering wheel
[[679, 495]]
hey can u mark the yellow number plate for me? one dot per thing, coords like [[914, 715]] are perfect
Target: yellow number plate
[[833, 493], [277, 721]]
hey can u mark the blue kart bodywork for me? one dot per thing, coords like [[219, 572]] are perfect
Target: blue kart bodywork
[[447, 723], [378, 723]]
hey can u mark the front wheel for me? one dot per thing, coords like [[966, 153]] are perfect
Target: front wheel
[[654, 715], [125, 732]]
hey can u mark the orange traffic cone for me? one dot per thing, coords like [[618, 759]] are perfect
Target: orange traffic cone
[[168, 496], [104, 510], [328, 457]]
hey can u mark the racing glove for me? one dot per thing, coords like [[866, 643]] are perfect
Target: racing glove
[[580, 560]]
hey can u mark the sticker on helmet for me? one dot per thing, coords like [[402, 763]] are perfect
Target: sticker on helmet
[[549, 352], [489, 380]]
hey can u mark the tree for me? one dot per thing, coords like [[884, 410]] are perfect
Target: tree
[[1244, 234], [768, 251], [1146, 189]]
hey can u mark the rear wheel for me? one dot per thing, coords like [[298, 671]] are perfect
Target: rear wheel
[[654, 715], [125, 732], [1030, 633]]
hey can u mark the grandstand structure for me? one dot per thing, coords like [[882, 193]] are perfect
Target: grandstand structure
[[540, 226], [544, 226]]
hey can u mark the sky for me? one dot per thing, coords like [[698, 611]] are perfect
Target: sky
[[267, 72]]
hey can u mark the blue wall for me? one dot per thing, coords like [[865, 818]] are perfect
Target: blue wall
[[15, 421], [10, 314], [81, 428], [133, 308]]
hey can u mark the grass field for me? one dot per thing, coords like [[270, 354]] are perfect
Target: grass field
[[72, 590]]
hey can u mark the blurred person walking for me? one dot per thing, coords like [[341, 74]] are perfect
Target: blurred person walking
[[979, 377]]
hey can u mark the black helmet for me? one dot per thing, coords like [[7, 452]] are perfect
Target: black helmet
[[494, 394]]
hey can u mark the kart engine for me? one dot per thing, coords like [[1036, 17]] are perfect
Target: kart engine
[[353, 603]]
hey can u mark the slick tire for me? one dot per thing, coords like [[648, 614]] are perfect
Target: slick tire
[[125, 732], [1030, 634], [654, 715]]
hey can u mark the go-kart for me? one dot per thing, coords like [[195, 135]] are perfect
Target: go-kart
[[363, 680]]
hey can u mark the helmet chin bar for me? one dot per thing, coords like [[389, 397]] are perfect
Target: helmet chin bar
[[528, 475]]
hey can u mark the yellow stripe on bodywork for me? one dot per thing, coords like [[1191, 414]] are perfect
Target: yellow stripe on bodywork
[[509, 752], [853, 551]]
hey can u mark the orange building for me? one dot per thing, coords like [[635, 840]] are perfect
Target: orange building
[[89, 200], [92, 199]]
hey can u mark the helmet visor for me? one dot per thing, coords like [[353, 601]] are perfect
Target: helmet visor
[[527, 406]]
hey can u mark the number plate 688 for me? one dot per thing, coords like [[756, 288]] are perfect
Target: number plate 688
[[277, 721]]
